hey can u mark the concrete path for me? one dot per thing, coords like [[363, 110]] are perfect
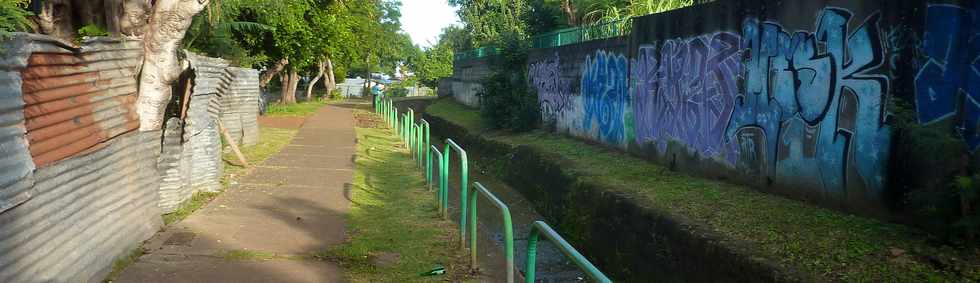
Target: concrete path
[[290, 206]]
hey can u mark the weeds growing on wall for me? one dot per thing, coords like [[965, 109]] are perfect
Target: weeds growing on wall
[[935, 176], [507, 101]]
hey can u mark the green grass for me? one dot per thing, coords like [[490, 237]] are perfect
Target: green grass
[[819, 242], [457, 113], [125, 261], [246, 255], [392, 212], [302, 109], [197, 201]]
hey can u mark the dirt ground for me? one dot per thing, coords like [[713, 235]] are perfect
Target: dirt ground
[[281, 122]]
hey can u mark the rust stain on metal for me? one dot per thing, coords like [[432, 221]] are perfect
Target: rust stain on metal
[[72, 107]]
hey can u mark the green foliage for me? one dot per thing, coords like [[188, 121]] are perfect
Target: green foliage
[[934, 174], [90, 30], [13, 16], [506, 99], [353, 34], [433, 63], [488, 22]]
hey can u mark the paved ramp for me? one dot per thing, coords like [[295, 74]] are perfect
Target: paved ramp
[[289, 207]]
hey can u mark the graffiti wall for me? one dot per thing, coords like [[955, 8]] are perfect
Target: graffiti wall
[[792, 97], [583, 90], [948, 82]]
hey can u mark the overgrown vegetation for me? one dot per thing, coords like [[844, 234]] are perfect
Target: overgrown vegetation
[[506, 99], [817, 241], [935, 176], [393, 228], [13, 17], [90, 30]]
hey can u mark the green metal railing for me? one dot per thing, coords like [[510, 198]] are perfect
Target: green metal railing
[[582, 34], [442, 202], [428, 158], [464, 177], [424, 146], [476, 53], [541, 228], [478, 190]]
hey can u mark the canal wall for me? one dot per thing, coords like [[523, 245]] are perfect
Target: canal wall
[[831, 102]]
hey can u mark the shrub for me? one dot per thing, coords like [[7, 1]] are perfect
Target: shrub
[[506, 100]]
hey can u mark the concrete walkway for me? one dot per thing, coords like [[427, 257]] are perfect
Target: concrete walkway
[[290, 206]]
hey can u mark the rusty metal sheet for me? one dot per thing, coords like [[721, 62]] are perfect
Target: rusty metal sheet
[[77, 99]]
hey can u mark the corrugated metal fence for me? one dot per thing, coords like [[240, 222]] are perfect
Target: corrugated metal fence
[[79, 185], [240, 105]]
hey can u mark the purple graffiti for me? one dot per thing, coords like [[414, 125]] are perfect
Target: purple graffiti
[[685, 92], [553, 91]]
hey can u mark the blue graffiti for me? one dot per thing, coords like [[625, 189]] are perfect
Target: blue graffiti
[[605, 97], [952, 45], [684, 91], [812, 110]]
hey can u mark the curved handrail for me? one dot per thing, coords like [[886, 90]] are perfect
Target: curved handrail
[[424, 147], [539, 228], [464, 170], [479, 189], [442, 199]]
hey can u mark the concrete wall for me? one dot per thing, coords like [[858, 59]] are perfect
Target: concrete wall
[[79, 183], [465, 82], [792, 97]]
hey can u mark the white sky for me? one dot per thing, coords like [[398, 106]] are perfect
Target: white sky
[[423, 20]]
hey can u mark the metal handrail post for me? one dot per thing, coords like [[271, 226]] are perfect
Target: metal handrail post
[[541, 228], [450, 144], [425, 145], [479, 189]]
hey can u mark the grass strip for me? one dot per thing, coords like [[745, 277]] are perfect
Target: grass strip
[[393, 229], [300, 109]]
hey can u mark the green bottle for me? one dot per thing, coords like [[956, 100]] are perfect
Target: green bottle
[[439, 270]]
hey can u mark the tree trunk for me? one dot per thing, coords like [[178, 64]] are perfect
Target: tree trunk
[[269, 74], [569, 9], [289, 87], [56, 19], [309, 88], [132, 21], [331, 80], [166, 28], [283, 87]]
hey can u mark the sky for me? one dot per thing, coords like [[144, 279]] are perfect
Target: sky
[[423, 20]]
